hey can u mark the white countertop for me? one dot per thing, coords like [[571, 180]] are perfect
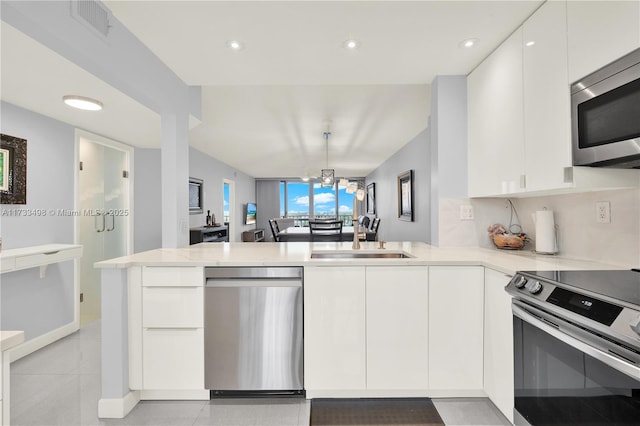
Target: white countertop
[[9, 339], [298, 254]]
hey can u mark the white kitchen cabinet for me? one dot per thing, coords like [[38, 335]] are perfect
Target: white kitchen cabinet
[[166, 331], [498, 342], [397, 331], [173, 359], [600, 32], [456, 326], [334, 328], [495, 121], [547, 118]]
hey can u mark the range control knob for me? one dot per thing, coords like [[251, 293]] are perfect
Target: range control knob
[[520, 282], [635, 325], [534, 287]]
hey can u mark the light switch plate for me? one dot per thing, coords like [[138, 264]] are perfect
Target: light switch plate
[[603, 212], [466, 212]]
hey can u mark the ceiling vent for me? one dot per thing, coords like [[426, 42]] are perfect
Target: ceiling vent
[[92, 14]]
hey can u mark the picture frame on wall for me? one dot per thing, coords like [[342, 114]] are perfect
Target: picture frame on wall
[[371, 198], [13, 170], [195, 195], [405, 196]]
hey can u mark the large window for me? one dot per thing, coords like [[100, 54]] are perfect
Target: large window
[[296, 201], [324, 201], [301, 200]]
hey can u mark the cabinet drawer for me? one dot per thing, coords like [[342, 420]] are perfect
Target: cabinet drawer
[[172, 307], [173, 359], [46, 258], [158, 276]]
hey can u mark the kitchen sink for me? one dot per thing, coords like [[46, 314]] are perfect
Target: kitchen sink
[[359, 255]]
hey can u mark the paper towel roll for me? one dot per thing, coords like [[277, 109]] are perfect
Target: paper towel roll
[[545, 232]]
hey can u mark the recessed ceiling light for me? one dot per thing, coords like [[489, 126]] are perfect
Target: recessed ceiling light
[[530, 43], [351, 44], [235, 45], [468, 43], [82, 102]]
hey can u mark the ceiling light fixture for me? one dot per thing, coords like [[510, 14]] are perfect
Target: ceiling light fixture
[[351, 44], [468, 43], [327, 175], [530, 43], [235, 45], [82, 102]]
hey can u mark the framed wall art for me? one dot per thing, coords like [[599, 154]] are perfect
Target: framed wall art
[[371, 198], [13, 170], [405, 196], [195, 195]]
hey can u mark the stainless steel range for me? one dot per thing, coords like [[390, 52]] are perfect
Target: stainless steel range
[[576, 347]]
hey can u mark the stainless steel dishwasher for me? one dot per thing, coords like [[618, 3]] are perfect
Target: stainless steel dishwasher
[[253, 331]]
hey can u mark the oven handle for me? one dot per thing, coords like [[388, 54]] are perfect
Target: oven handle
[[610, 360]]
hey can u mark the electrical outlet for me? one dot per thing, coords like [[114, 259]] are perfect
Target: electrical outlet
[[603, 212], [466, 212]]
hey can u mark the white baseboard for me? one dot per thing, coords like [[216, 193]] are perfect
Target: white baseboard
[[117, 408], [41, 341], [367, 393], [185, 394], [395, 393]]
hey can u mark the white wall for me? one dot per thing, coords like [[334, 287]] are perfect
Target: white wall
[[147, 193], [213, 173], [414, 155], [579, 235], [39, 305]]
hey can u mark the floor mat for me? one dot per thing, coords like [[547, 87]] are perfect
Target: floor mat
[[374, 412]]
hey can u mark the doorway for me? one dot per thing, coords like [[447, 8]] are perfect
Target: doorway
[[228, 207], [103, 225]]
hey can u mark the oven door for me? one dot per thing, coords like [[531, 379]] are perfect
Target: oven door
[[559, 379]]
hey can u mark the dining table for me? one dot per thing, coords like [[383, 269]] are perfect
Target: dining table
[[302, 233]]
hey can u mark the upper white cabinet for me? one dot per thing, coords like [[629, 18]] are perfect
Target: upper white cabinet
[[519, 114], [547, 118], [495, 120], [600, 32]]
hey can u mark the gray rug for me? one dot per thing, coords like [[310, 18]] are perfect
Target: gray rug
[[374, 412]]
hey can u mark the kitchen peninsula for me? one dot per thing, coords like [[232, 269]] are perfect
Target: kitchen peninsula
[[374, 327]]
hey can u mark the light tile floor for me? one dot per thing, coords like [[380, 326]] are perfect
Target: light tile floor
[[60, 385]]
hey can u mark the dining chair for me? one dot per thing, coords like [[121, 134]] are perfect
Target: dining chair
[[275, 230], [375, 225], [324, 230]]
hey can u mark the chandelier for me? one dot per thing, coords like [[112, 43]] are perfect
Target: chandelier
[[327, 175]]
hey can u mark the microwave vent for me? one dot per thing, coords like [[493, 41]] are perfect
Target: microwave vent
[[92, 14]]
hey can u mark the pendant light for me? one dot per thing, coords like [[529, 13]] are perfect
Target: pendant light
[[327, 175]]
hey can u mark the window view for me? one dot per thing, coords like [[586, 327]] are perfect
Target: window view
[[324, 201], [297, 199], [225, 208], [297, 202]]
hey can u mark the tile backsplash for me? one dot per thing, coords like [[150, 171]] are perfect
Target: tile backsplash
[[580, 236]]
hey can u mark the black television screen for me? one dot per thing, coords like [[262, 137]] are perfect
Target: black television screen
[[250, 218]]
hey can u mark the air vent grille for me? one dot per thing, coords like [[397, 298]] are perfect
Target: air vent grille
[[92, 14]]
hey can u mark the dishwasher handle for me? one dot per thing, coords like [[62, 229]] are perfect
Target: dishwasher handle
[[262, 273], [234, 283]]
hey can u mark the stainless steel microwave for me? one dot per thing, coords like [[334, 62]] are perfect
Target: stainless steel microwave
[[605, 115]]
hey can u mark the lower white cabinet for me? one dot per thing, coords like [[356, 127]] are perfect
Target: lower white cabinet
[[334, 328], [456, 299], [397, 340], [366, 328], [166, 331], [498, 342], [173, 359]]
